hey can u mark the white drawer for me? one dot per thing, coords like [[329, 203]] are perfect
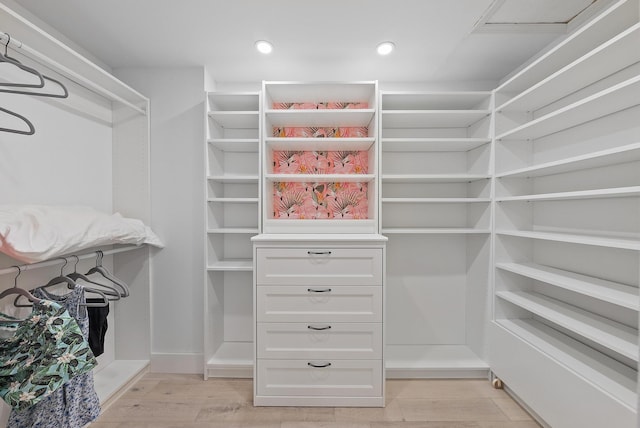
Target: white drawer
[[319, 266], [320, 340], [344, 303], [345, 378]]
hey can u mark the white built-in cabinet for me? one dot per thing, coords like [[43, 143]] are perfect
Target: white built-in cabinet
[[436, 212], [567, 226], [232, 217], [319, 314], [322, 135]]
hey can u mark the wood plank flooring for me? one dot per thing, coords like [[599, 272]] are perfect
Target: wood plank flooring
[[187, 401]]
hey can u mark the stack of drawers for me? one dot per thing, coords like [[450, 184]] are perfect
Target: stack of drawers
[[319, 323]]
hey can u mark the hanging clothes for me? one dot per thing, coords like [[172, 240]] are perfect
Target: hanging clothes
[[46, 350], [97, 326], [76, 403]]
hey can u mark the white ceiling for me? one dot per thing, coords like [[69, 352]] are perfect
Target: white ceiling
[[314, 40]]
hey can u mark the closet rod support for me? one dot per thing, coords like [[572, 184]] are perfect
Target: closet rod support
[[59, 260]]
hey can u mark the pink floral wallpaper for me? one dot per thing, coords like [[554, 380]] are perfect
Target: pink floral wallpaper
[[320, 132], [320, 162], [320, 200], [293, 200]]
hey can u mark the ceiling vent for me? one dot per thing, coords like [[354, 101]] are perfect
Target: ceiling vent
[[539, 16]]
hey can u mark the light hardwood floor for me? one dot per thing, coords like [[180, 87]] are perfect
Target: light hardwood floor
[[187, 401]]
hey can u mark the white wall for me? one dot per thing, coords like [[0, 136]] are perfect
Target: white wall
[[177, 212]]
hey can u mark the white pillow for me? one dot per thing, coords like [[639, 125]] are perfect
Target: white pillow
[[33, 233]]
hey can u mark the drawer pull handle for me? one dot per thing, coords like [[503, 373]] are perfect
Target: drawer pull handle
[[319, 253], [326, 327], [319, 366], [324, 290]]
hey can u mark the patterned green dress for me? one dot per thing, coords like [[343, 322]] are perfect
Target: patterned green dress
[[46, 350]]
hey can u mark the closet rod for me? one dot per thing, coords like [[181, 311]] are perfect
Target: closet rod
[[60, 260], [72, 75]]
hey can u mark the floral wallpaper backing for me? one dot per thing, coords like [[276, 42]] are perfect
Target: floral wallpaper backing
[[295, 200], [320, 162], [320, 132], [320, 200]]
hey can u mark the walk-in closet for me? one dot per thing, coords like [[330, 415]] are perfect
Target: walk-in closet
[[209, 217]]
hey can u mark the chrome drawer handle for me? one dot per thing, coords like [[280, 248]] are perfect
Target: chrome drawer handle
[[325, 290], [319, 366], [326, 327], [319, 253]]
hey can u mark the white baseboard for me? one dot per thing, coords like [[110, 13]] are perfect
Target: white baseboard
[[177, 363]]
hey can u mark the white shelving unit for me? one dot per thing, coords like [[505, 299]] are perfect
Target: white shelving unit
[[101, 111], [435, 208], [233, 217], [567, 226], [325, 123]]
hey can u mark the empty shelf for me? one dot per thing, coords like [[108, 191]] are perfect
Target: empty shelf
[[610, 334], [607, 291]]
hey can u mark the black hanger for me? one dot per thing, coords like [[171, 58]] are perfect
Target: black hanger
[[7, 58], [31, 130]]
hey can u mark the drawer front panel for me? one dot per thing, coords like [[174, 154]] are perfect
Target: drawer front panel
[[346, 378], [319, 304], [320, 340], [294, 266]]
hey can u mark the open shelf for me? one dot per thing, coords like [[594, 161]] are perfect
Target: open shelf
[[433, 361], [609, 375], [325, 178], [432, 118], [237, 230], [239, 179], [233, 101], [434, 231], [116, 377], [329, 144], [626, 243], [616, 192], [300, 92], [618, 155], [320, 118], [572, 47], [611, 56], [232, 359], [433, 178], [613, 99], [232, 265], [235, 144], [607, 291], [610, 334], [235, 200], [459, 100], [434, 200], [236, 119], [432, 144]]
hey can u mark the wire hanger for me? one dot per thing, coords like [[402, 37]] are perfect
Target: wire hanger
[[20, 291], [31, 130], [7, 58]]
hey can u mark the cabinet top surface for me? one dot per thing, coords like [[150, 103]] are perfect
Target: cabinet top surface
[[325, 237]]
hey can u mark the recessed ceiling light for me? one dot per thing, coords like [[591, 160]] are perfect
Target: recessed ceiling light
[[264, 47], [385, 48]]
